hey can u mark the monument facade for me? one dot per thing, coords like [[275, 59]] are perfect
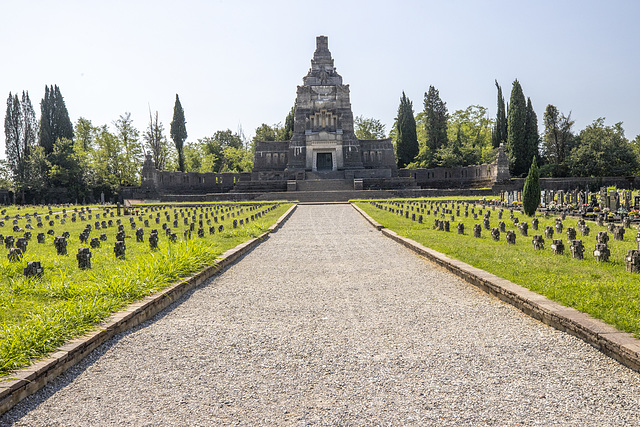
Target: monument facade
[[323, 138]]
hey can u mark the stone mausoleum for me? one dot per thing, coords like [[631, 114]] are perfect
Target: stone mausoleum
[[323, 155], [324, 143]]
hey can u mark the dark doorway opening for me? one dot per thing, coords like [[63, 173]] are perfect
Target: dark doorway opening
[[324, 161]]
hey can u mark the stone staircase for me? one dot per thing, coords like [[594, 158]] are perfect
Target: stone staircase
[[325, 185], [312, 176]]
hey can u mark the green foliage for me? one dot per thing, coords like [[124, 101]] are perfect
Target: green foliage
[[602, 151], [469, 136], [129, 150], [20, 127], [558, 140], [156, 142], [223, 152], [289, 122], [499, 133], [531, 191], [179, 132], [531, 138], [436, 117], [264, 132], [369, 128], [516, 147], [407, 140], [54, 119], [66, 169]]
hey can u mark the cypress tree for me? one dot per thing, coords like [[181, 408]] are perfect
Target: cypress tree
[[179, 132], [516, 135], [532, 137], [531, 192], [54, 119], [436, 117], [499, 134], [407, 142]]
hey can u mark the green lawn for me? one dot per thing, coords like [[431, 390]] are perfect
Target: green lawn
[[38, 315], [604, 290]]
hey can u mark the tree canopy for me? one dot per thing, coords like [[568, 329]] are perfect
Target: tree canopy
[[602, 150], [369, 128]]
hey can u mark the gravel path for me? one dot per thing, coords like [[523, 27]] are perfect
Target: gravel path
[[330, 323]]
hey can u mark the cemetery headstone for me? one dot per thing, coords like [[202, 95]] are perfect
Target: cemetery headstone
[[538, 242], [557, 246], [34, 269], [60, 244], [577, 249], [601, 252], [84, 258], [14, 255], [119, 249]]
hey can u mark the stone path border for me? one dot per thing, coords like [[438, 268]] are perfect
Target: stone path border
[[621, 346], [28, 380]]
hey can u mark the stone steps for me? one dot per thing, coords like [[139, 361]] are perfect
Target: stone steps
[[325, 185]]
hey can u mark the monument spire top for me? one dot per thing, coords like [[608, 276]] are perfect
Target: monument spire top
[[322, 71]]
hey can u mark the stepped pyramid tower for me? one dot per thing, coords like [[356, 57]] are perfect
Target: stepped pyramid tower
[[323, 136]]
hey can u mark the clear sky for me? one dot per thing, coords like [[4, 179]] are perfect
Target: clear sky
[[238, 62]]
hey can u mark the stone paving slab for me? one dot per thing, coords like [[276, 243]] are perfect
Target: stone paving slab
[[328, 322]]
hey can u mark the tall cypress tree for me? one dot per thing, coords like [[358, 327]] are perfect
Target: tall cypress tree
[[436, 117], [516, 134], [179, 132], [407, 142], [54, 119], [499, 134], [532, 137], [531, 191]]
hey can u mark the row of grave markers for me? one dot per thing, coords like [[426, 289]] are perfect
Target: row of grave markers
[[611, 199], [205, 215], [416, 211]]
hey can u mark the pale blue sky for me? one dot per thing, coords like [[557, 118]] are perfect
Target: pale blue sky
[[239, 62]]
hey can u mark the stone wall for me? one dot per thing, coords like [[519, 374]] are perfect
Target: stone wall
[[378, 154], [271, 156], [477, 176]]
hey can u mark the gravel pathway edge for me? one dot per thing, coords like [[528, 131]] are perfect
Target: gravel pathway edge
[[29, 380], [621, 346]]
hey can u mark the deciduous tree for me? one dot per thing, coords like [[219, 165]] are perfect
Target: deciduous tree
[[369, 128], [156, 142], [558, 140], [602, 151]]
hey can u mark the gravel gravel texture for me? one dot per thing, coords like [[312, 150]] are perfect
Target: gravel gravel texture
[[330, 323]]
